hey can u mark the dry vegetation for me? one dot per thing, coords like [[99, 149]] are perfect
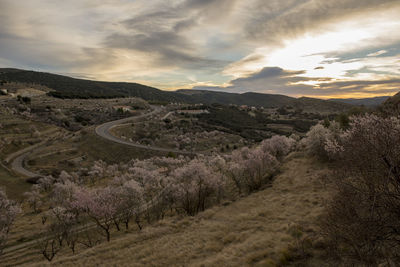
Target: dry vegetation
[[73, 114], [255, 230], [17, 133], [259, 207], [81, 150], [179, 131]]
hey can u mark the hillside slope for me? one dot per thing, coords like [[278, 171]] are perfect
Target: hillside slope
[[391, 106], [251, 231], [249, 99], [67, 87], [371, 101]]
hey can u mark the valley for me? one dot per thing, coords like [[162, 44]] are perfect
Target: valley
[[135, 182]]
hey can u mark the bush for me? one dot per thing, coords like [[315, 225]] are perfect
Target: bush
[[362, 221], [315, 141]]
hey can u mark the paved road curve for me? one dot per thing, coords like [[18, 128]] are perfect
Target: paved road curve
[[18, 166], [103, 130]]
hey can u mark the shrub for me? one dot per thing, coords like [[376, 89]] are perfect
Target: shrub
[[251, 169], [362, 221], [319, 137]]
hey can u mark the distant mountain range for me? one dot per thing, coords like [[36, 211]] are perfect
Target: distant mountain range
[[371, 102], [67, 87]]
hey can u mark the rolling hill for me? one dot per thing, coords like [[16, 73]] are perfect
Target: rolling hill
[[371, 101], [391, 107], [67, 87]]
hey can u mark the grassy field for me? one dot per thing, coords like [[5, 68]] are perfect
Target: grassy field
[[181, 133], [252, 231], [16, 133], [14, 185], [87, 147]]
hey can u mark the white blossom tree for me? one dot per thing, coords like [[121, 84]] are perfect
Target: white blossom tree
[[8, 212]]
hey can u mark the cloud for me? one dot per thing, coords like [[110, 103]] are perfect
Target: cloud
[[268, 80], [284, 46], [378, 53], [276, 20], [160, 34], [275, 80]]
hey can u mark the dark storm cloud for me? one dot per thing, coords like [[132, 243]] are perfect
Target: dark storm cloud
[[271, 79], [268, 80], [279, 81]]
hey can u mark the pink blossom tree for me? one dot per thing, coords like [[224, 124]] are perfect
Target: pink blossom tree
[[131, 204], [194, 185], [278, 146], [250, 169], [100, 205], [316, 139], [33, 198], [8, 212], [152, 182], [46, 183]]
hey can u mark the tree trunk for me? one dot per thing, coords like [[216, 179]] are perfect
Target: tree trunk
[[108, 235], [117, 226], [137, 220]]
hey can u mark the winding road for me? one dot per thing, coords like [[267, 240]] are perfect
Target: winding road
[[103, 130], [18, 157], [18, 166]]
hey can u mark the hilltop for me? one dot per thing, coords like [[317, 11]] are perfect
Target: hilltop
[[392, 105], [67, 87], [370, 101]]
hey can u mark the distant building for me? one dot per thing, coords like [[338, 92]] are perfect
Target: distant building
[[123, 108]]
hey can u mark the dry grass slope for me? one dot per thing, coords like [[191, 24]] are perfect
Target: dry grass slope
[[251, 231]]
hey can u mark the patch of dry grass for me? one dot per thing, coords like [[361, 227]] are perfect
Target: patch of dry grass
[[14, 185]]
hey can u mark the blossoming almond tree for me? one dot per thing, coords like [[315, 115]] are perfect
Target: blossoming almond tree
[[131, 201], [100, 205], [193, 185], [8, 211]]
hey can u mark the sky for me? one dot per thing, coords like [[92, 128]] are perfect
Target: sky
[[315, 48]]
